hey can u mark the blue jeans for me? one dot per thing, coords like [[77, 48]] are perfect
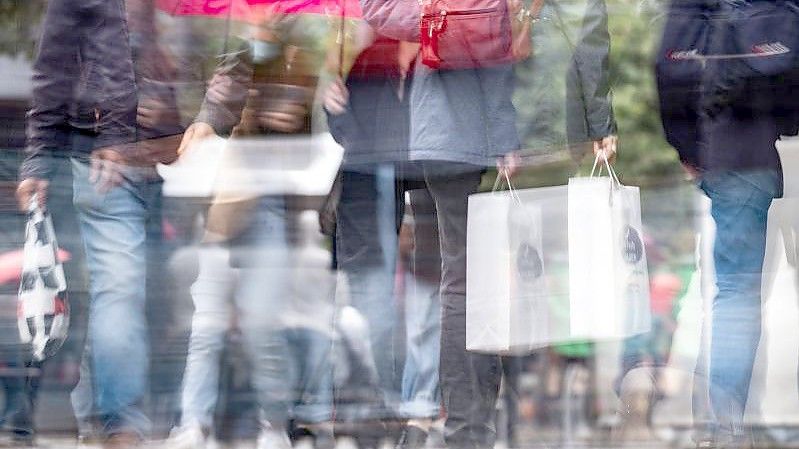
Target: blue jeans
[[248, 278], [421, 395], [113, 227], [366, 239], [739, 205], [420, 392], [210, 323], [311, 375]]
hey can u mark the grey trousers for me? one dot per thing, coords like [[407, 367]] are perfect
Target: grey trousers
[[469, 382]]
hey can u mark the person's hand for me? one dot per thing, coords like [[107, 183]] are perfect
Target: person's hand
[[407, 53], [29, 187], [336, 97], [691, 171], [509, 164], [152, 113], [285, 117], [605, 148], [196, 132], [106, 169], [220, 89]]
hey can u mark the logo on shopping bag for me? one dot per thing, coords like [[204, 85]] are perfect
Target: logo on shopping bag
[[529, 263], [633, 247]]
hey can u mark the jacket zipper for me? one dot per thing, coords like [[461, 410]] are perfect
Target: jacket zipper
[[467, 12]]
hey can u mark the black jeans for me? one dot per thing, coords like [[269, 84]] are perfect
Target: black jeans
[[469, 381]]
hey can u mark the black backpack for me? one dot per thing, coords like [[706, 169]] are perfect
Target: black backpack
[[717, 53]]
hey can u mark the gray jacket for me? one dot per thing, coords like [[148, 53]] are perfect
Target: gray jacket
[[563, 91]]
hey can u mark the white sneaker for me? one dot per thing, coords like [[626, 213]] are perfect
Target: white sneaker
[[186, 437], [271, 438], [346, 443], [304, 443], [212, 443]]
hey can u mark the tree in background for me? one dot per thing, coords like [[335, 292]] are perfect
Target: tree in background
[[644, 156], [19, 26]]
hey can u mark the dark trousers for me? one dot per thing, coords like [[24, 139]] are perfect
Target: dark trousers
[[368, 217], [469, 381]]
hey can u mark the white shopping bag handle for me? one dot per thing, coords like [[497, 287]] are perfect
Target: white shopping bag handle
[[611, 172], [498, 183], [615, 184], [33, 204]]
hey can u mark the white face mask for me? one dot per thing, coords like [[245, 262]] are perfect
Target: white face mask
[[263, 51]]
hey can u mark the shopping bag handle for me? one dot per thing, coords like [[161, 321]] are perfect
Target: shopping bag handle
[[33, 203], [498, 183], [615, 184], [597, 168]]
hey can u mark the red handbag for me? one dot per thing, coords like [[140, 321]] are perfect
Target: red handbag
[[464, 34]]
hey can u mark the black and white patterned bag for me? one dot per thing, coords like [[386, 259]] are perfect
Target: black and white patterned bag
[[42, 309]]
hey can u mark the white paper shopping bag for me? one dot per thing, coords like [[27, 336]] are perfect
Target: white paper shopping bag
[[506, 302], [608, 277]]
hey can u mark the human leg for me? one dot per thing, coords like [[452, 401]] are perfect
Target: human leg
[[366, 238], [469, 382], [740, 203], [113, 228]]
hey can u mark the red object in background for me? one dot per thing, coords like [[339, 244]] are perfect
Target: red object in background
[[378, 61], [664, 288], [168, 231], [251, 10], [11, 264]]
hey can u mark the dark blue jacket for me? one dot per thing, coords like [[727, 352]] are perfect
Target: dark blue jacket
[[90, 72], [719, 118], [83, 80], [375, 127]]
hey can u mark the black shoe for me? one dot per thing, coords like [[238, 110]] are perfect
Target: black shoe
[[319, 438], [412, 438], [23, 439]]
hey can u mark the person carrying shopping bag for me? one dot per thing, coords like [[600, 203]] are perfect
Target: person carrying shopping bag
[[462, 121]]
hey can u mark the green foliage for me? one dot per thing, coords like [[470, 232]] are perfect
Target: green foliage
[[19, 26], [644, 156]]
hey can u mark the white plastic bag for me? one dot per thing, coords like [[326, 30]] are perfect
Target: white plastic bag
[[608, 277], [43, 310], [506, 301]]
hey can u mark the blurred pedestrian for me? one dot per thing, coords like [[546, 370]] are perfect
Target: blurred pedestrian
[[463, 121], [84, 106], [724, 127], [94, 76], [261, 93]]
